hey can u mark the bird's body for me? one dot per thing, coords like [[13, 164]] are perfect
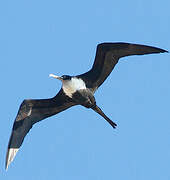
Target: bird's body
[[76, 90], [74, 84]]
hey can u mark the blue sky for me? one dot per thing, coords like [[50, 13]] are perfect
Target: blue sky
[[60, 37]]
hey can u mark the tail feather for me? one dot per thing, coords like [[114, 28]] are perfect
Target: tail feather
[[99, 111]]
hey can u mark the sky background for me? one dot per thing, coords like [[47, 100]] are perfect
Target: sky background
[[39, 37]]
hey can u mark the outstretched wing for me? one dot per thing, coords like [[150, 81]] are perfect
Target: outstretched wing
[[107, 56], [31, 112]]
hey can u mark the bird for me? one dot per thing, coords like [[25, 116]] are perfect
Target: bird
[[75, 90]]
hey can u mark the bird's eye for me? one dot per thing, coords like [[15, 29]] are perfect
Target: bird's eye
[[65, 77]]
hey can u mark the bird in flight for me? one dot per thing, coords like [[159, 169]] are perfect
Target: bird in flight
[[75, 90]]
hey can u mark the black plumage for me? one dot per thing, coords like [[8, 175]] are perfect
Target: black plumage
[[33, 111]]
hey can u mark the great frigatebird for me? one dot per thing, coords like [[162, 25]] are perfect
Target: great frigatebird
[[76, 90]]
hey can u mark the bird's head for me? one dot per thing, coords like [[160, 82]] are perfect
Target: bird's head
[[61, 78]]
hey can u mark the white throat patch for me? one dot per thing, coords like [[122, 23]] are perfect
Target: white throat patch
[[71, 86]]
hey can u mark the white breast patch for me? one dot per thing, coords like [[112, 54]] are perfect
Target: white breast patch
[[71, 86]]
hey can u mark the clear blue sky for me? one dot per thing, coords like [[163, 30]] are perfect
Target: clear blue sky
[[39, 37]]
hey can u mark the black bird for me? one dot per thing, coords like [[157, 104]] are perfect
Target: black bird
[[76, 90]]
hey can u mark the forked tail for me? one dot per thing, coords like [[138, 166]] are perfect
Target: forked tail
[[99, 111]]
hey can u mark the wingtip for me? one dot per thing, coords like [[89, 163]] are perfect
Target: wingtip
[[11, 153], [164, 51]]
